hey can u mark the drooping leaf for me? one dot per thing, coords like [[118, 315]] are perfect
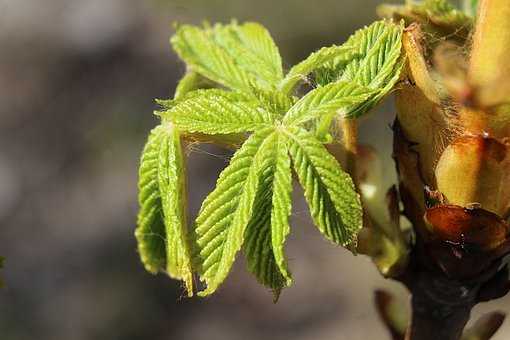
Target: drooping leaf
[[216, 111], [237, 56], [269, 226], [161, 230], [172, 188], [334, 56], [339, 97], [334, 203], [225, 213], [150, 231]]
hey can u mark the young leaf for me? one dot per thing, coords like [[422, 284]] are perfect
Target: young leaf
[[334, 203], [339, 96], [239, 57], [376, 63], [191, 81], [443, 13], [150, 231], [253, 49], [269, 226], [225, 213], [216, 111], [161, 231], [334, 56], [379, 48], [275, 102], [196, 47], [172, 188]]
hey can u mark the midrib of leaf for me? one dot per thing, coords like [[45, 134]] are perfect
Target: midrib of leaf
[[334, 97], [216, 111]]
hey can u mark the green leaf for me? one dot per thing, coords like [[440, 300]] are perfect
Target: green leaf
[[252, 48], [237, 56], [334, 56], [217, 111], [150, 231], [442, 12], [191, 81], [377, 61], [334, 203], [275, 101], [439, 18], [172, 188], [378, 49], [225, 213], [161, 230], [269, 225], [187, 85], [197, 48], [340, 97]]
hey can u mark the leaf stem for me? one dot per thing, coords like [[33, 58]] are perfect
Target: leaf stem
[[349, 129]]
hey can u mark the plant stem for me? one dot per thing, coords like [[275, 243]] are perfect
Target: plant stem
[[350, 140], [440, 307]]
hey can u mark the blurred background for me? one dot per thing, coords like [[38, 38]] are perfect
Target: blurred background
[[77, 83]]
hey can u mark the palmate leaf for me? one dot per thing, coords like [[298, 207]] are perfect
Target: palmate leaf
[[269, 225], [334, 203], [237, 56], [225, 213], [251, 203], [161, 230], [216, 111]]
